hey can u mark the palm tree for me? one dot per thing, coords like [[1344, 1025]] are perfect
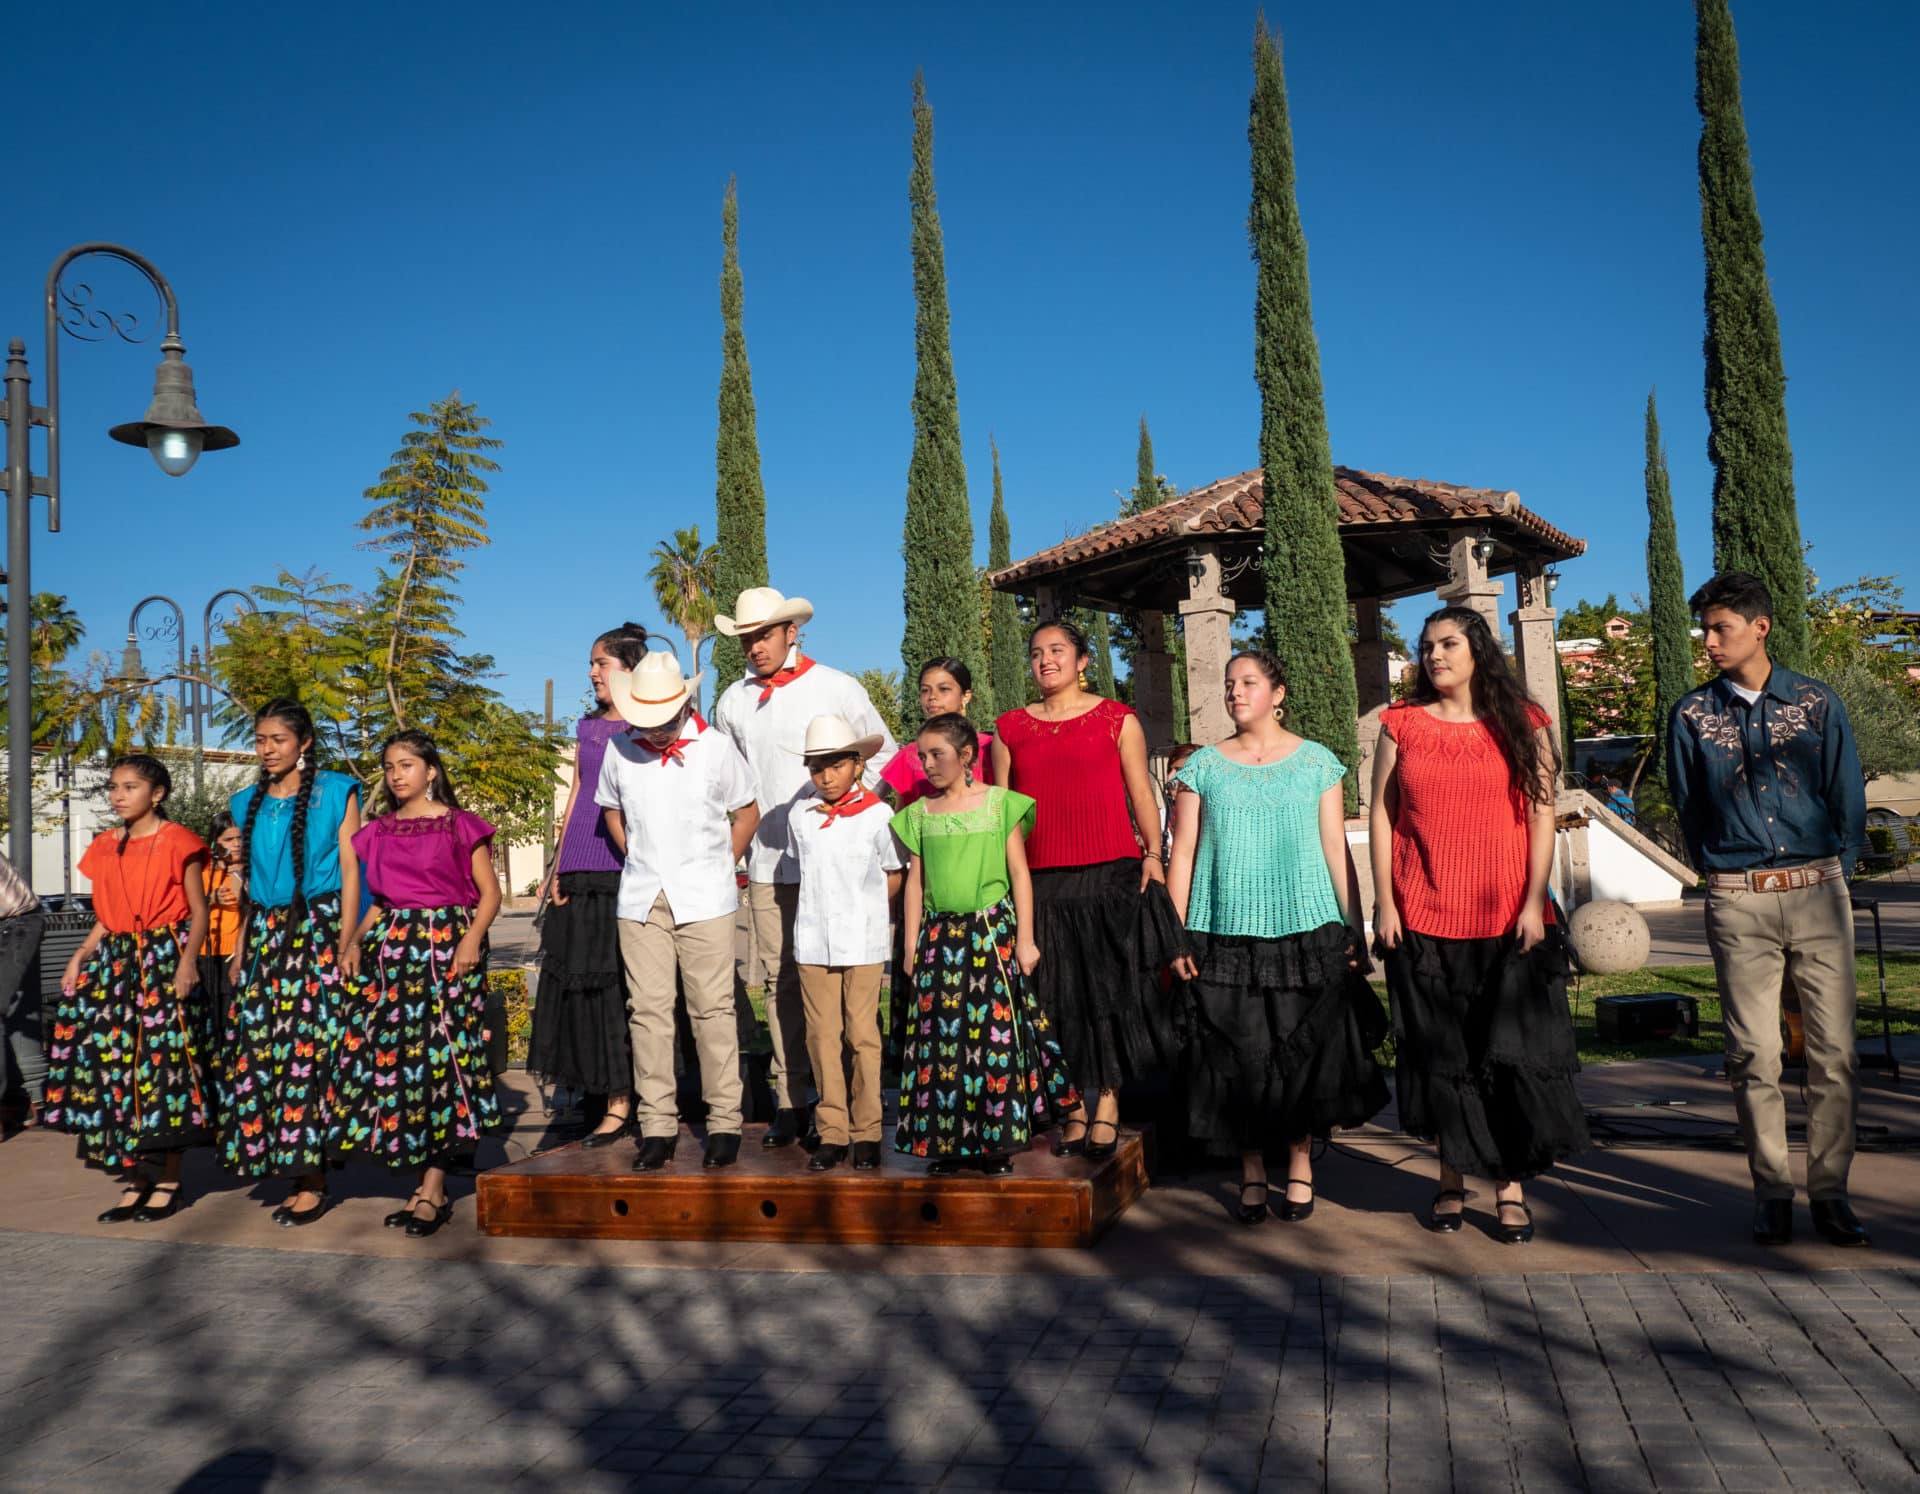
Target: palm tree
[[684, 575]]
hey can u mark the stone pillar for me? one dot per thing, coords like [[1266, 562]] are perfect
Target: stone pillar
[[1209, 628], [1153, 683], [1470, 585], [1375, 688], [1533, 649], [1048, 604]]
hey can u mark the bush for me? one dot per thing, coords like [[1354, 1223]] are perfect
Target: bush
[[511, 986]]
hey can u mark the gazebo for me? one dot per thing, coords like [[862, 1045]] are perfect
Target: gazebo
[[1198, 557]]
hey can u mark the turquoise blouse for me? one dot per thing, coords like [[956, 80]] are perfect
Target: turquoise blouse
[[1259, 870], [270, 857]]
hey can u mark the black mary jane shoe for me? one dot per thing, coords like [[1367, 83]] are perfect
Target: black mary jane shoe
[[1512, 1234], [1100, 1151], [1835, 1223], [866, 1156], [998, 1165], [943, 1167], [124, 1213], [292, 1218], [1773, 1221], [597, 1139], [785, 1129], [826, 1157], [1446, 1224], [655, 1153], [419, 1229], [1252, 1213], [722, 1150], [399, 1217], [150, 1212], [1291, 1211], [1074, 1148]]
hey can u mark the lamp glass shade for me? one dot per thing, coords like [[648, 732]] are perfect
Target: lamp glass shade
[[175, 450]]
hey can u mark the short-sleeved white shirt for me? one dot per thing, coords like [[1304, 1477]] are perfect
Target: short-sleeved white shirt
[[678, 838], [842, 914]]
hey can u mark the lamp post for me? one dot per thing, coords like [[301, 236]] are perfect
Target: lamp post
[[173, 431], [197, 705]]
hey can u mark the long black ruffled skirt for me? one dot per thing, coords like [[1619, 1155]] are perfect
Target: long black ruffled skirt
[[1103, 944], [579, 1036], [1279, 1041], [1484, 1052]]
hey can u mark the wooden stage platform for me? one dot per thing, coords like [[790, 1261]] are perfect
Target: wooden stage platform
[[769, 1195]]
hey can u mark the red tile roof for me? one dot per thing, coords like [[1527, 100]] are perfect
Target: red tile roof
[[1237, 504]]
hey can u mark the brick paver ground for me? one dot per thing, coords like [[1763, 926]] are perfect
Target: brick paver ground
[[142, 1365]]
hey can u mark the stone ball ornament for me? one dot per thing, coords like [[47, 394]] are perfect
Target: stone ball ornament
[[1609, 937]]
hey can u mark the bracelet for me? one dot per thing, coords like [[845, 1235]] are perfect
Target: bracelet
[[1153, 856]]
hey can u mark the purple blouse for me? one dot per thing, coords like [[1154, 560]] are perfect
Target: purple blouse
[[585, 845], [424, 862]]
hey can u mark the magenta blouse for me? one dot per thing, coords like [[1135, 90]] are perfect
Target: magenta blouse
[[904, 775], [585, 845], [422, 863]]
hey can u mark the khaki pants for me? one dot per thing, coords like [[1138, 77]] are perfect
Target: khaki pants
[[774, 905], [1760, 941], [701, 955], [843, 1023]]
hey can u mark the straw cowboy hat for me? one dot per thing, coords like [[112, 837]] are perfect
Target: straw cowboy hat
[[762, 607], [652, 694], [831, 736]]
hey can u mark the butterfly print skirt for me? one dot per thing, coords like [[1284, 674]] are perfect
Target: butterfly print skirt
[[414, 1085], [277, 1062], [127, 1067], [980, 1071]]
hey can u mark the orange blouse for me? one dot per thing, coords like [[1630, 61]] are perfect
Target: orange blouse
[[223, 924], [142, 885]]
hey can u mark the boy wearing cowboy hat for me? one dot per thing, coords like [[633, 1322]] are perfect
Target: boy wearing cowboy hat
[[850, 870], [766, 713], [668, 787]]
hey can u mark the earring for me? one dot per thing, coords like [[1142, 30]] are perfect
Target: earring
[[301, 766], [969, 777], [1083, 679]]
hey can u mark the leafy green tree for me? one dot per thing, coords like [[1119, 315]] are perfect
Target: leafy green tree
[[1669, 620], [1006, 639], [1585, 619], [883, 687], [1150, 490], [942, 608], [1865, 657], [1306, 592], [1756, 522], [739, 497], [683, 578]]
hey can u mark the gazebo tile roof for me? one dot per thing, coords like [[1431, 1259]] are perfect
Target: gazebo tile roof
[[1238, 504]]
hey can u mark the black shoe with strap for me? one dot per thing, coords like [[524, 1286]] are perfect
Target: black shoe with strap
[[1294, 1210], [1836, 1224], [596, 1139], [1448, 1223], [399, 1217], [1100, 1151], [291, 1218], [1512, 1234], [1255, 1212], [1074, 1148], [124, 1213], [152, 1212], [419, 1229]]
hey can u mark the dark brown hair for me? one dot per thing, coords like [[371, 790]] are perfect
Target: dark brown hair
[[1499, 701]]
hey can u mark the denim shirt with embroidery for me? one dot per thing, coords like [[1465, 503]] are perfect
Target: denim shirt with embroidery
[[1772, 783]]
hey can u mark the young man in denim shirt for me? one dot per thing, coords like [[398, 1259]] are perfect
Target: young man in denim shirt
[[1764, 773]]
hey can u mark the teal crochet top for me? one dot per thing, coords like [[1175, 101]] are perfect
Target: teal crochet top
[[1259, 870]]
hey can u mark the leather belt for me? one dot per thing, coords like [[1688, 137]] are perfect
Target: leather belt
[[1779, 878]]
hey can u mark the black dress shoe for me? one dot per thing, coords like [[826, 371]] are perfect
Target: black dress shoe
[[826, 1157], [943, 1167], [419, 1229], [123, 1213], [723, 1150], [866, 1156], [152, 1212], [292, 1218], [998, 1166], [1836, 1223], [1773, 1221], [1099, 1151], [785, 1129], [655, 1153], [399, 1217], [1512, 1234], [1252, 1211], [1074, 1148], [1446, 1224], [598, 1139], [1293, 1212]]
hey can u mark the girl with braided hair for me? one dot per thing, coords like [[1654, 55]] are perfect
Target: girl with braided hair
[[299, 871]]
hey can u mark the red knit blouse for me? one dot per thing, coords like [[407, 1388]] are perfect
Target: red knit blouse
[[1071, 770], [1459, 830]]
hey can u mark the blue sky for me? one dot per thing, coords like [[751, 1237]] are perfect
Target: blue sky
[[363, 207]]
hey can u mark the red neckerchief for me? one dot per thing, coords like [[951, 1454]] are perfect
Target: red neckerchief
[[851, 803], [675, 752], [781, 677]]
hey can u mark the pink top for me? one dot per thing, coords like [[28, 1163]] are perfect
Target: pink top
[[422, 863], [904, 775], [1071, 769]]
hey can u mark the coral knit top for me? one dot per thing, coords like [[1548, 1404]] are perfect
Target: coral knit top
[[143, 884], [1459, 830], [1071, 770]]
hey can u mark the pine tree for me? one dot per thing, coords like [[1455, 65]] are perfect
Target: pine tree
[[942, 604], [1756, 525], [1306, 592], [741, 536], [1009, 657], [1100, 665], [1669, 621], [1150, 490]]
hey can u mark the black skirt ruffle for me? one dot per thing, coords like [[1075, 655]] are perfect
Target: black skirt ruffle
[[1485, 1055], [1103, 944], [1279, 1040], [579, 1036]]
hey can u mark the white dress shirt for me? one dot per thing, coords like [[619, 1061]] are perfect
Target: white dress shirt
[[678, 839], [842, 914], [770, 735]]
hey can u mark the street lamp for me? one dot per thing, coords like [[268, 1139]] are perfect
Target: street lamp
[[173, 431], [132, 675]]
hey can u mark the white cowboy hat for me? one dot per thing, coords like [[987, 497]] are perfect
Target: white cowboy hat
[[652, 694], [762, 607], [830, 736]]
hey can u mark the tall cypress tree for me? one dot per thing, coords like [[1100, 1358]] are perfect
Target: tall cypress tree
[[1150, 490], [1666, 593], [741, 535], [941, 593], [1756, 524], [1009, 672], [1306, 590]]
